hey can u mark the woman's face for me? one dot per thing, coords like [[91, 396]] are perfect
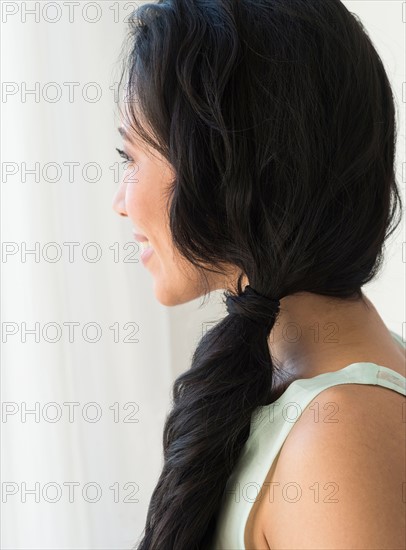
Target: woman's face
[[143, 196]]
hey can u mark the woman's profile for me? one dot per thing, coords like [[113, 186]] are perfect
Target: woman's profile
[[259, 138]]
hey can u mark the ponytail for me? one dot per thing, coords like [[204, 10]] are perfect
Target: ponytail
[[231, 375]]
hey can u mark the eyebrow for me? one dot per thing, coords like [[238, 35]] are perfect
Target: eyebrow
[[123, 133], [133, 140]]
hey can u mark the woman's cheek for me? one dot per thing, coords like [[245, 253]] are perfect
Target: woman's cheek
[[132, 180], [131, 175]]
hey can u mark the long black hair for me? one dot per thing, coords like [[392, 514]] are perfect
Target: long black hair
[[278, 119]]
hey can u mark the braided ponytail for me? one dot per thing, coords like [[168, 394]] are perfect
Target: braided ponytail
[[231, 375]]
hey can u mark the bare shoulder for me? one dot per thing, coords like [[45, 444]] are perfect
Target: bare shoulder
[[340, 478]]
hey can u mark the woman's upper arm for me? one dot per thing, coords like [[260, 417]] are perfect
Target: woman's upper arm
[[341, 485]]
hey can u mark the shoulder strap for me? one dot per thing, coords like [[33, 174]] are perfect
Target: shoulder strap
[[285, 411]]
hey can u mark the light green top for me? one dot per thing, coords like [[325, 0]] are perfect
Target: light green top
[[270, 425]]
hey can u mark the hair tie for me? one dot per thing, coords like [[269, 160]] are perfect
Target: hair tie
[[253, 306]]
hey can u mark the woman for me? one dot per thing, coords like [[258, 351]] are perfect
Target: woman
[[259, 138]]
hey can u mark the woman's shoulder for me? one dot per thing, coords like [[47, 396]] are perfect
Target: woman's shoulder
[[339, 479]]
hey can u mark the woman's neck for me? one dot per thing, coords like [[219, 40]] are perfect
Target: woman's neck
[[314, 334]]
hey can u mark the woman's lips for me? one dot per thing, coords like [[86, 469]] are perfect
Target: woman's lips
[[140, 238], [146, 249], [146, 254]]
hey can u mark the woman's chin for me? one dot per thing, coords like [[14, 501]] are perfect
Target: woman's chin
[[170, 295]]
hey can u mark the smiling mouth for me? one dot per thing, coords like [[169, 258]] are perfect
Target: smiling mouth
[[145, 245], [140, 238], [147, 253]]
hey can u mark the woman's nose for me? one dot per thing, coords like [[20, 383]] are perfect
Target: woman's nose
[[119, 200]]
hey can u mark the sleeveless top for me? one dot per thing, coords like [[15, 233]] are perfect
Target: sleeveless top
[[270, 425]]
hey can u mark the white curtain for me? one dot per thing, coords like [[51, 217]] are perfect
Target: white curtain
[[83, 405]]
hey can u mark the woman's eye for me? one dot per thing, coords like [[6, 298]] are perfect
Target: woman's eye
[[123, 154]]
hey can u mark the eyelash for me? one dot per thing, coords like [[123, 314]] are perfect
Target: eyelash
[[123, 154]]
